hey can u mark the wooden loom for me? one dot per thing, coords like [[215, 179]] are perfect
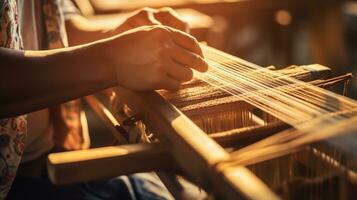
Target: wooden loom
[[196, 132]]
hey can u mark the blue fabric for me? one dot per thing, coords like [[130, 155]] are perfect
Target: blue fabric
[[145, 186]]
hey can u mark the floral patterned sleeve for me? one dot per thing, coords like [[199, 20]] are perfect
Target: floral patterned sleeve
[[12, 130], [12, 141]]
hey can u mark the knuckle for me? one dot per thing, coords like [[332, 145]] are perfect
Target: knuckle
[[146, 10], [142, 12], [163, 13], [163, 35], [166, 9], [159, 29], [194, 41], [165, 46], [196, 47], [191, 41]]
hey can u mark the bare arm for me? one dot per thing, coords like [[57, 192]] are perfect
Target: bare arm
[[31, 80], [81, 30], [146, 58]]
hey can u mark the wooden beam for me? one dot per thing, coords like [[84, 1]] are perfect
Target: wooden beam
[[241, 137], [107, 162], [168, 178], [197, 154], [107, 118]]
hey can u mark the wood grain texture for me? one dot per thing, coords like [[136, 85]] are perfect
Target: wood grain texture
[[107, 162], [195, 152]]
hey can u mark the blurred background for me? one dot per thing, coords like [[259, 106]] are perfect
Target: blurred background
[[266, 32]]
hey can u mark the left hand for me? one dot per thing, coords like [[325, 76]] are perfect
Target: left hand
[[149, 16]]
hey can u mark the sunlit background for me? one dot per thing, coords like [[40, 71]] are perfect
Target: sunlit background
[[266, 32]]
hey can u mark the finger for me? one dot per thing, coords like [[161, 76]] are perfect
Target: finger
[[169, 83], [169, 17], [152, 19], [186, 41], [188, 58], [145, 17], [179, 72]]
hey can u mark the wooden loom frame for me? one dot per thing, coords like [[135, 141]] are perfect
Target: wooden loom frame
[[194, 151]]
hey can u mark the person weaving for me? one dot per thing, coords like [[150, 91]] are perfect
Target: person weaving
[[150, 50]]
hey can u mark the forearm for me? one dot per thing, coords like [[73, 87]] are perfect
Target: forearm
[[32, 80], [80, 30]]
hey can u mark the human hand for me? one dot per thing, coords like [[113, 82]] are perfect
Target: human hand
[[149, 16], [153, 57]]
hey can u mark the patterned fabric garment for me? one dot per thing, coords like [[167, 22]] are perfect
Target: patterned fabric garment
[[54, 24], [66, 117], [12, 130]]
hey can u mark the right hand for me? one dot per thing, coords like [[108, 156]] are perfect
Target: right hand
[[154, 57], [150, 16]]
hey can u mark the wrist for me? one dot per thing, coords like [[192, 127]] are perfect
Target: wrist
[[100, 58], [87, 63]]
